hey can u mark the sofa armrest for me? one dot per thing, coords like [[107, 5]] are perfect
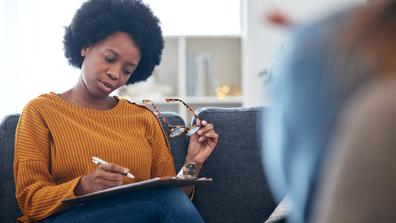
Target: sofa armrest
[[9, 210]]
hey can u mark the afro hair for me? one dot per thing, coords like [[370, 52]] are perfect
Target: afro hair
[[97, 19]]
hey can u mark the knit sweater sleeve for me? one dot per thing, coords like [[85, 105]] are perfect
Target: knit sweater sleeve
[[37, 194], [162, 160]]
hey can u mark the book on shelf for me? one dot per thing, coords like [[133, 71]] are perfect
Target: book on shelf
[[200, 76]]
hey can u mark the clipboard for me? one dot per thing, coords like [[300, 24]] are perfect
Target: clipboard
[[151, 183]]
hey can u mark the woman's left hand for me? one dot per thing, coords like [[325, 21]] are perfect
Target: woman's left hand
[[202, 143]]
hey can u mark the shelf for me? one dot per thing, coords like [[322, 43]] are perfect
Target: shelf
[[195, 69], [190, 100], [213, 100]]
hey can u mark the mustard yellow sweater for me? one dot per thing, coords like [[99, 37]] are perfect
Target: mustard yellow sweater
[[56, 139]]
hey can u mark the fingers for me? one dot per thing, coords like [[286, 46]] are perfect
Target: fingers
[[111, 167], [102, 178], [212, 135], [108, 175], [207, 131], [205, 127], [105, 175], [111, 172]]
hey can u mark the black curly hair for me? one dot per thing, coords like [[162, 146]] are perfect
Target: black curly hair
[[97, 19]]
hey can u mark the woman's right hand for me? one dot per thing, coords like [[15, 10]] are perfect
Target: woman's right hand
[[105, 176]]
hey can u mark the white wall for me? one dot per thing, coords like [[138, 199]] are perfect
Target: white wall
[[197, 17], [32, 60]]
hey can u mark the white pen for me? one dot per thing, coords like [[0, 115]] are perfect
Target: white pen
[[97, 160]]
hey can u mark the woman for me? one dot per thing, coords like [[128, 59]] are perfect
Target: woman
[[114, 42]]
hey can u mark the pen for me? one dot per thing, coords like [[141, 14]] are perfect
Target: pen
[[97, 160]]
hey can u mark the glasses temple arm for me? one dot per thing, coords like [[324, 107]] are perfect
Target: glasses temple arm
[[156, 110], [185, 104]]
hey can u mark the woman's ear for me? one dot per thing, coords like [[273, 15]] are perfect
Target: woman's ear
[[84, 51]]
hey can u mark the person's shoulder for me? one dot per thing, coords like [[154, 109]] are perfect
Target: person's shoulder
[[40, 101], [136, 108]]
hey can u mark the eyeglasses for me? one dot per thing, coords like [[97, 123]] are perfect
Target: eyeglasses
[[176, 130]]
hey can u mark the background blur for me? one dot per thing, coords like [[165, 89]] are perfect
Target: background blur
[[218, 52]]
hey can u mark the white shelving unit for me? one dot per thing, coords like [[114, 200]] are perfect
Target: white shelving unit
[[196, 69]]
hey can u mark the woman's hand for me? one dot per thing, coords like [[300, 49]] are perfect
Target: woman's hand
[[202, 144], [105, 176]]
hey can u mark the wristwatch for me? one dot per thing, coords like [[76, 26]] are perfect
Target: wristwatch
[[188, 171]]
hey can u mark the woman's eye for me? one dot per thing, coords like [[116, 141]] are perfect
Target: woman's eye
[[109, 59], [128, 71]]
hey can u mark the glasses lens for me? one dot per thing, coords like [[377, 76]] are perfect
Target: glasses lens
[[177, 131], [193, 130]]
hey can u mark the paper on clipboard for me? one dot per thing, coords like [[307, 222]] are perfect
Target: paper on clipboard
[[151, 183]]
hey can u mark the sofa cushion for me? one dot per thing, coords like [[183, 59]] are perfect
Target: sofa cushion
[[239, 191], [9, 209]]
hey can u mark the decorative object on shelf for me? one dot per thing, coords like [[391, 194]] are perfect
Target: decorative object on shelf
[[222, 91], [200, 77], [227, 90]]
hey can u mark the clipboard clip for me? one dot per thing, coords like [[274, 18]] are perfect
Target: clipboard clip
[[188, 171]]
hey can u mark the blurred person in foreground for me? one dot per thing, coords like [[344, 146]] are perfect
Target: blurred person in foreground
[[321, 90]]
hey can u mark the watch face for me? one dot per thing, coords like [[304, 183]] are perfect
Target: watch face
[[190, 165], [188, 171]]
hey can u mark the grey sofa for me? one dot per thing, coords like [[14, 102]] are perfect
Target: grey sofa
[[239, 191]]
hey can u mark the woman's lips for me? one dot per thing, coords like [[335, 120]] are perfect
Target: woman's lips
[[105, 87]]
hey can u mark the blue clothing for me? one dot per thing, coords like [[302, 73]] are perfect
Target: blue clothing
[[310, 88], [167, 205]]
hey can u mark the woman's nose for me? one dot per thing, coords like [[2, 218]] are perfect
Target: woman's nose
[[114, 72]]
